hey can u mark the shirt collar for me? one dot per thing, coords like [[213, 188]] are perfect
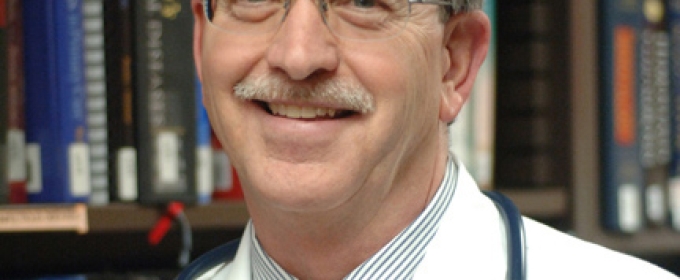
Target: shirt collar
[[398, 259]]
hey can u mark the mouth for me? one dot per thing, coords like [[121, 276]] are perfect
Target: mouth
[[304, 112]]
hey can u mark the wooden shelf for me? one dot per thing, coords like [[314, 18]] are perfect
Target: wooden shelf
[[116, 239], [127, 217], [116, 217]]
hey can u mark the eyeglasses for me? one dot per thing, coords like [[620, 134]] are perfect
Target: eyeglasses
[[350, 19]]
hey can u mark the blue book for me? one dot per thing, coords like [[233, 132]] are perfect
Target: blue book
[[56, 128], [654, 110], [204, 165], [621, 174]]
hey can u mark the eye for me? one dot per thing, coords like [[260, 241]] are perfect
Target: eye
[[364, 3], [253, 11], [252, 2]]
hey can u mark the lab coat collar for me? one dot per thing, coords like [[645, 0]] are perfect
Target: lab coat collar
[[469, 243], [240, 266]]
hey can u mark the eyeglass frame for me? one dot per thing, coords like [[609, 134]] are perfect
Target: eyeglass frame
[[448, 5]]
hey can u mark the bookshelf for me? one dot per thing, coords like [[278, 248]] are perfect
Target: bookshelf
[[586, 224], [118, 231], [116, 217], [578, 204]]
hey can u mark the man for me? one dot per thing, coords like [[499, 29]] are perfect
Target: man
[[335, 115]]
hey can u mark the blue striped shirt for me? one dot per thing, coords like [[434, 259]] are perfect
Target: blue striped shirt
[[398, 259]]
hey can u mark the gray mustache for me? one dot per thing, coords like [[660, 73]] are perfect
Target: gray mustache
[[337, 92]]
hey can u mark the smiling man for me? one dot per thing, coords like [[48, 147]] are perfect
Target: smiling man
[[335, 116]]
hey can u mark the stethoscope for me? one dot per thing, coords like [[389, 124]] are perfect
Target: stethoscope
[[512, 219], [514, 233]]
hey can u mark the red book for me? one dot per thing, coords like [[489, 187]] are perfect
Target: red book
[[10, 18]]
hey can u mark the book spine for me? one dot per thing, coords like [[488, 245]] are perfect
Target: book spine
[[674, 168], [621, 174], [95, 73], [471, 135], [56, 125], [16, 137], [4, 104], [483, 103], [204, 156], [164, 102], [532, 45], [654, 110], [119, 98], [226, 182]]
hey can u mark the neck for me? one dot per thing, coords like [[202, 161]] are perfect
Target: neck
[[329, 245]]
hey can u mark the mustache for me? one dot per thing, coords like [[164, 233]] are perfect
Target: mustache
[[342, 93]]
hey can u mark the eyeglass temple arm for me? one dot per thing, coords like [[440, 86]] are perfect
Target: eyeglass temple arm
[[208, 8], [443, 3]]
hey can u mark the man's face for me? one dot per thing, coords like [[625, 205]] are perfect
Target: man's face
[[311, 121]]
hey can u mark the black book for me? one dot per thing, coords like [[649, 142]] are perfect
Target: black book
[[122, 150], [532, 97], [165, 110]]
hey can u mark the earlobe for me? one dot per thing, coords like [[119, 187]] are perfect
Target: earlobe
[[466, 42], [451, 103]]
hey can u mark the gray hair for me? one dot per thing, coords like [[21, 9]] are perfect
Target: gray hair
[[459, 6], [467, 5]]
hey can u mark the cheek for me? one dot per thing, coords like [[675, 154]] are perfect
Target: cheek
[[225, 62], [403, 74], [383, 70], [406, 102], [425, 76], [228, 58]]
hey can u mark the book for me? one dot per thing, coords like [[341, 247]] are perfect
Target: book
[[471, 135], [95, 86], [165, 110], [532, 98], [226, 183], [204, 154], [12, 136], [673, 10], [528, 168], [16, 133], [483, 102], [122, 150], [56, 124], [621, 191], [654, 110], [4, 103]]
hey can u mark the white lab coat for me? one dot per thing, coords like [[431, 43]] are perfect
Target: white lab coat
[[470, 244]]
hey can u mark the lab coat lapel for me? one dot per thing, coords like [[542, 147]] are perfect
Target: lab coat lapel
[[240, 269], [469, 243]]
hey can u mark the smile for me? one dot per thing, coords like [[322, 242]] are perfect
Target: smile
[[304, 112]]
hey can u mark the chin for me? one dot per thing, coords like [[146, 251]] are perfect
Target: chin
[[304, 191]]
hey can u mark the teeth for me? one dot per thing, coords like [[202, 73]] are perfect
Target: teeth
[[296, 112]]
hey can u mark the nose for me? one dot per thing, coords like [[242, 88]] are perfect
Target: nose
[[303, 45]]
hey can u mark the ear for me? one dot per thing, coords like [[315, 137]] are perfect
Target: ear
[[466, 42], [199, 25]]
